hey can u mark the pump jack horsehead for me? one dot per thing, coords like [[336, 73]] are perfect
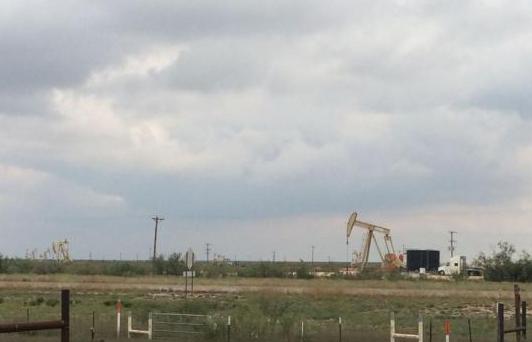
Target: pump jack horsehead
[[390, 259]]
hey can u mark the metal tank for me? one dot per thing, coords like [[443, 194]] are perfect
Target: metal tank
[[422, 258]]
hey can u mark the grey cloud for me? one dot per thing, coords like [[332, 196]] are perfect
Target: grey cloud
[[272, 110], [218, 65]]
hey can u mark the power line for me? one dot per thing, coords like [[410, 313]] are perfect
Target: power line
[[157, 219]]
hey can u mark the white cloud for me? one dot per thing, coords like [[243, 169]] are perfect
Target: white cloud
[[141, 65]]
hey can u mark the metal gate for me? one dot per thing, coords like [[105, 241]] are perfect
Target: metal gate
[[168, 325]]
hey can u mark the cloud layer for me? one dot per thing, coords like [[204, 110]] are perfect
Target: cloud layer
[[269, 122]]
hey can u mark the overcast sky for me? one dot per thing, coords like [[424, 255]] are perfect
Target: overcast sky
[[260, 125]]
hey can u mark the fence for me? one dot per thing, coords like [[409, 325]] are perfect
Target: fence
[[63, 324], [166, 325], [218, 328], [520, 318]]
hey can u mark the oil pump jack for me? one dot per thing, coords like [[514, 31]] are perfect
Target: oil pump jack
[[389, 259]]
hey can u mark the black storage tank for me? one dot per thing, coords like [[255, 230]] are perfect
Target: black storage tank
[[422, 258]]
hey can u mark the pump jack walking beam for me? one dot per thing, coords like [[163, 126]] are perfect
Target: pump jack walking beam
[[370, 235]]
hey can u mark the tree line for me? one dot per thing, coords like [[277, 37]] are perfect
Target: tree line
[[501, 264]]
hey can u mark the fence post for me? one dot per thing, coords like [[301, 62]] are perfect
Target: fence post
[[65, 315], [420, 327], [302, 330], [517, 297], [340, 329], [93, 329], [469, 328], [500, 322], [392, 327], [129, 324], [523, 319], [150, 327], [228, 328], [430, 330]]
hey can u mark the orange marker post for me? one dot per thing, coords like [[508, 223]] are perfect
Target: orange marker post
[[447, 327]]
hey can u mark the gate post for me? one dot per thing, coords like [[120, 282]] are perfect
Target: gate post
[[340, 329], [420, 327], [229, 329], [150, 327], [129, 324], [65, 315], [392, 327]]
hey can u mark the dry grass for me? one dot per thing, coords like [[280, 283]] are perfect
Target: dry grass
[[378, 288]]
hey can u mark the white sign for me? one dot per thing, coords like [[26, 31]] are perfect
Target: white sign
[[189, 258], [189, 274]]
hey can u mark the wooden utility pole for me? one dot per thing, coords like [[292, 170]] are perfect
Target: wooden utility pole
[[157, 219], [452, 242], [207, 250]]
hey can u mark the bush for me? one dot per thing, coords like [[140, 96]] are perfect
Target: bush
[[159, 265], [123, 268], [175, 264], [502, 265], [36, 301], [303, 271], [51, 302], [47, 267]]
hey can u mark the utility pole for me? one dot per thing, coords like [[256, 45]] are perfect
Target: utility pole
[[273, 257], [208, 250], [313, 247], [452, 242], [157, 219]]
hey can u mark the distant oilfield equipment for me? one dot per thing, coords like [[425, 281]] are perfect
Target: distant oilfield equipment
[[59, 251], [389, 259]]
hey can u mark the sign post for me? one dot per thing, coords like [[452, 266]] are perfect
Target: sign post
[[189, 261]]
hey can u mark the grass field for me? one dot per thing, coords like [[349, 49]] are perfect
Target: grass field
[[261, 309]]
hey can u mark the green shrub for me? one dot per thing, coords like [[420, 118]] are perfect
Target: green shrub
[[51, 302], [36, 301]]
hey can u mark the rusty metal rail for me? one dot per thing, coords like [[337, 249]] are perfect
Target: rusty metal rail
[[63, 324]]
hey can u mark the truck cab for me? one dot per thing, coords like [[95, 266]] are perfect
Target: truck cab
[[456, 265]]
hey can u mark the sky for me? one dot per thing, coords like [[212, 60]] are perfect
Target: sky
[[259, 126]]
